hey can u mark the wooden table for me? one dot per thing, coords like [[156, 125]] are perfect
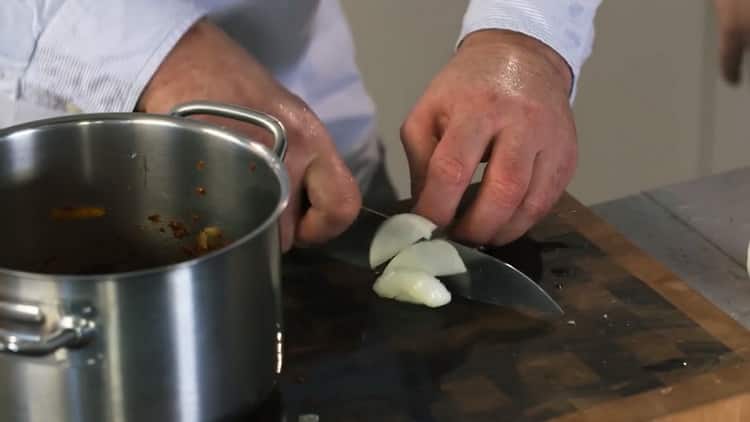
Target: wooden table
[[636, 343]]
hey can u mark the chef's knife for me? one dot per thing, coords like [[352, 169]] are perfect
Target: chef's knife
[[488, 280]]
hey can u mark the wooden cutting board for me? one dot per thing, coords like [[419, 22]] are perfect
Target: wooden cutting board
[[635, 344]]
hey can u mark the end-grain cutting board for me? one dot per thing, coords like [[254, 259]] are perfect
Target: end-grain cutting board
[[635, 344]]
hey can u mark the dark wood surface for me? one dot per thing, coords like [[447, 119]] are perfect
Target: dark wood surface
[[635, 344]]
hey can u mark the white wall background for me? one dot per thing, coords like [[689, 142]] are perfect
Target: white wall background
[[651, 109]]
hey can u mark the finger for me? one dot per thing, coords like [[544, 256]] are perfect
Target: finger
[[451, 167], [552, 172], [731, 52], [334, 198], [503, 187], [289, 223], [291, 214], [419, 139]]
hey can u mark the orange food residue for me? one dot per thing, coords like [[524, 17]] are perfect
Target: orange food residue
[[77, 213], [178, 229]]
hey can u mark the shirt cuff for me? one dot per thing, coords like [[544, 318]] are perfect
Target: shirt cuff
[[566, 26], [98, 56]]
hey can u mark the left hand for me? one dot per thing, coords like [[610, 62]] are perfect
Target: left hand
[[206, 64], [502, 93]]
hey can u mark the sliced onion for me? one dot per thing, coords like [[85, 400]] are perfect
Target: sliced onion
[[396, 234], [434, 257], [412, 286]]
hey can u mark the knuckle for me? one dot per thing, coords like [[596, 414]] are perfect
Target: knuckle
[[506, 193], [302, 122], [294, 125], [566, 169], [297, 104], [349, 208], [531, 108], [528, 108], [413, 132], [568, 165], [490, 120], [406, 131], [346, 210], [449, 170], [536, 209]]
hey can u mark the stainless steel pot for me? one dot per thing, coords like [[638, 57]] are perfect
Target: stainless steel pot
[[105, 312]]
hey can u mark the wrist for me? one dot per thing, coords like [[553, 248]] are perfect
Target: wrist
[[166, 85], [515, 43]]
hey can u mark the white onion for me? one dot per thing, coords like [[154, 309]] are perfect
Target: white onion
[[434, 257], [396, 234], [412, 286]]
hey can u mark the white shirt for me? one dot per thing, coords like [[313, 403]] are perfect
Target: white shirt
[[60, 56]]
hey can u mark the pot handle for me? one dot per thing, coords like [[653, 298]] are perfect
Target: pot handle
[[257, 118], [71, 331]]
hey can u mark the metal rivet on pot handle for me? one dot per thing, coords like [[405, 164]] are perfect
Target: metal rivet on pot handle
[[256, 118], [71, 331]]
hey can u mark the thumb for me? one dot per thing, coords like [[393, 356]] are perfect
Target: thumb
[[334, 200]]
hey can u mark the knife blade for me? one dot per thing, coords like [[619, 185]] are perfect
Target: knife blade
[[488, 280]]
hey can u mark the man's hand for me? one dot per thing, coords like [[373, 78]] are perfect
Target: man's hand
[[734, 35], [506, 94], [207, 65]]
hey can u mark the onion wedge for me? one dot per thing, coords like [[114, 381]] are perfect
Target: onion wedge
[[396, 234], [434, 257], [412, 286]]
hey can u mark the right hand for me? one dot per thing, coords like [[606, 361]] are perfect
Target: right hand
[[734, 36], [504, 95], [207, 65]]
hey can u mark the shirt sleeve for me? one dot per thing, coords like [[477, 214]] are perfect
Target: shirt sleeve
[[567, 26], [97, 56]]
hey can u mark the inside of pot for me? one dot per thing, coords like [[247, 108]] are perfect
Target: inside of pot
[[113, 196]]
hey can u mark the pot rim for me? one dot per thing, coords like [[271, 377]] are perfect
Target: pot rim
[[250, 146]]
